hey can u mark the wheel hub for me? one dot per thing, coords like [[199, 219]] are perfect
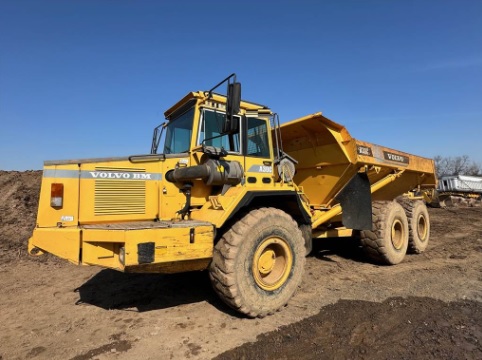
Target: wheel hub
[[272, 262], [397, 234], [422, 229], [266, 262]]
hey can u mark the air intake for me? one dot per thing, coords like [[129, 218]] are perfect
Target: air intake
[[120, 194]]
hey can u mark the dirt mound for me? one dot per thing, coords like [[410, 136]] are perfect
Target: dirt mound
[[19, 196], [398, 328]]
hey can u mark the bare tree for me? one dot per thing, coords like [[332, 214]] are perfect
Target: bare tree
[[458, 165]]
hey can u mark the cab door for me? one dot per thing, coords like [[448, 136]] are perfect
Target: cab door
[[258, 153]]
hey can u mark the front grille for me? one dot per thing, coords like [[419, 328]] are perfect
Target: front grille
[[120, 196]]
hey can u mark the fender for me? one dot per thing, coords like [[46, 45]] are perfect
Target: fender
[[285, 200]]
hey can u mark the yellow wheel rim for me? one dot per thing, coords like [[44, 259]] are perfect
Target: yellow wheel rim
[[422, 228], [272, 263], [397, 235]]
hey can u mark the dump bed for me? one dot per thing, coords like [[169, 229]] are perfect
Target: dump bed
[[328, 157]]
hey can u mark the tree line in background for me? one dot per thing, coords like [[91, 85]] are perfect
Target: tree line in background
[[458, 165]]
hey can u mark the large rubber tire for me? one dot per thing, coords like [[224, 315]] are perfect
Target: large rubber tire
[[387, 242], [418, 225], [258, 263]]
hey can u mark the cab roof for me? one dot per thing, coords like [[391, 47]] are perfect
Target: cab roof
[[204, 95]]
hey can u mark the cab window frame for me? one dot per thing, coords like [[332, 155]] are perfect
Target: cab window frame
[[201, 135], [265, 152]]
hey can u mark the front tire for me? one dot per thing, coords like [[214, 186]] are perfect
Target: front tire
[[387, 242], [258, 263]]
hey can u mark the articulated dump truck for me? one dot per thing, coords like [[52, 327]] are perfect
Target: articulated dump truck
[[233, 192]]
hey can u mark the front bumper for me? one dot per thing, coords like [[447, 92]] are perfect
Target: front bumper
[[142, 246]]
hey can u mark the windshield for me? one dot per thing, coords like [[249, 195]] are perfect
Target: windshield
[[178, 133]]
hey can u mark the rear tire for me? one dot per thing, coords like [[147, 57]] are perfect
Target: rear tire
[[418, 226], [307, 233], [387, 242], [258, 263]]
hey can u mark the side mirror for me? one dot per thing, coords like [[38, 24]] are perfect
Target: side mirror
[[232, 107], [234, 98]]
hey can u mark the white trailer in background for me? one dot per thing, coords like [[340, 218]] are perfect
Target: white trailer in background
[[460, 190]]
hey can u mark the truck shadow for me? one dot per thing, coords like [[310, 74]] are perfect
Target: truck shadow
[[114, 290], [344, 247]]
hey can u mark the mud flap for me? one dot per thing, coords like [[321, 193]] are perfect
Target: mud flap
[[356, 202]]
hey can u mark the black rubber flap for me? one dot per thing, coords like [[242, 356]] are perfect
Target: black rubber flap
[[356, 203]]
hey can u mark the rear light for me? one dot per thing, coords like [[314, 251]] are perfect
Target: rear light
[[57, 195]]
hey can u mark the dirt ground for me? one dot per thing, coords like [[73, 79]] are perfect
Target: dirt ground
[[428, 307]]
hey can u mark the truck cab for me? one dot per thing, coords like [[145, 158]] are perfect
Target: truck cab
[[160, 212]]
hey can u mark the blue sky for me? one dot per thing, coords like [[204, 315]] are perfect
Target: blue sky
[[85, 78]]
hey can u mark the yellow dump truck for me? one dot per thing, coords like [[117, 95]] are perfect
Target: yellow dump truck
[[234, 193]]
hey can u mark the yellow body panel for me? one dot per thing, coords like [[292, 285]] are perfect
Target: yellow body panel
[[119, 189], [67, 215], [64, 243], [337, 232], [101, 247]]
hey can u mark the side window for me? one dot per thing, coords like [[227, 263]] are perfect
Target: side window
[[257, 144], [210, 131], [178, 134]]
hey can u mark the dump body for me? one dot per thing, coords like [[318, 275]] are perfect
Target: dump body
[[328, 157]]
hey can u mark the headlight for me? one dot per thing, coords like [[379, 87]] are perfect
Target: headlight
[[122, 255]]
